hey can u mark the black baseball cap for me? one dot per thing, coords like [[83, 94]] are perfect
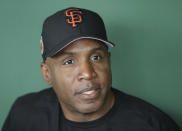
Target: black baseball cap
[[69, 25]]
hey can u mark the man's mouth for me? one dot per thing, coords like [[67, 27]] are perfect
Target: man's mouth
[[90, 94]]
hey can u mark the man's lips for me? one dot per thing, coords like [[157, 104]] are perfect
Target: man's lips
[[89, 93], [87, 90]]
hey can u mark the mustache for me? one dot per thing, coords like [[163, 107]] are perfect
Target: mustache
[[86, 87]]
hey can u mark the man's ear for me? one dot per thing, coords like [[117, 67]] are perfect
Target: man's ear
[[46, 73]]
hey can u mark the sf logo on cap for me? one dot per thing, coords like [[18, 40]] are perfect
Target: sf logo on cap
[[74, 16]]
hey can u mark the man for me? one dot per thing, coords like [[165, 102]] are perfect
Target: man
[[76, 63]]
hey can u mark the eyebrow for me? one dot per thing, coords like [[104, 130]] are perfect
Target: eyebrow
[[64, 53]]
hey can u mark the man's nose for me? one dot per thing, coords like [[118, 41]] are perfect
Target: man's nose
[[86, 71]]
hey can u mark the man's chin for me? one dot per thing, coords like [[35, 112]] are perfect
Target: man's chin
[[91, 108]]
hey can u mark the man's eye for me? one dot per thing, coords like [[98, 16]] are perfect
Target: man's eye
[[95, 58], [66, 62]]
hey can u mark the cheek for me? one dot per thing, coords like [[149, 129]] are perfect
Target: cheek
[[104, 73], [63, 75], [63, 81]]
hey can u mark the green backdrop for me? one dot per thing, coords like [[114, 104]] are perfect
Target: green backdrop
[[146, 62]]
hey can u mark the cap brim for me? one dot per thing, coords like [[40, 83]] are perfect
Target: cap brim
[[109, 44]]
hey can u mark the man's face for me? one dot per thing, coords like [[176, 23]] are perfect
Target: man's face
[[81, 77]]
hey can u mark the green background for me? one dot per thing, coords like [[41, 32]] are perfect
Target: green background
[[146, 62]]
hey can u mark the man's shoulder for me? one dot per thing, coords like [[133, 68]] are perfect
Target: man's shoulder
[[131, 101], [34, 99], [135, 108], [136, 104], [33, 109]]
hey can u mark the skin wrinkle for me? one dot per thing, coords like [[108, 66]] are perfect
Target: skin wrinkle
[[85, 73]]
